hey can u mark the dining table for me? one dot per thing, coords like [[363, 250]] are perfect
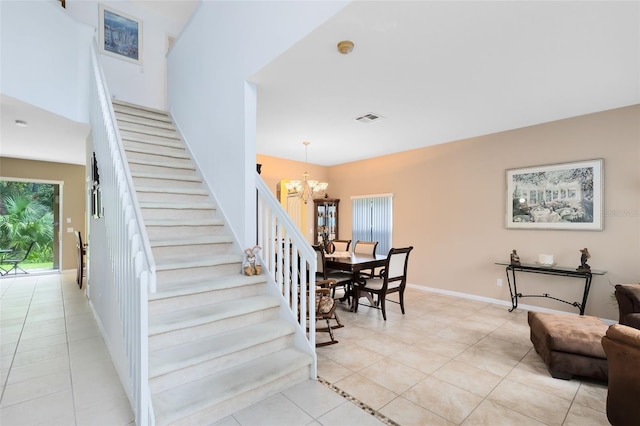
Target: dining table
[[354, 263]]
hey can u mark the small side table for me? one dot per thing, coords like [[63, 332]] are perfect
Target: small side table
[[548, 270]]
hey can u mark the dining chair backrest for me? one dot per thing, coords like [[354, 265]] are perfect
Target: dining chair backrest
[[365, 247], [320, 261], [396, 266], [341, 245]]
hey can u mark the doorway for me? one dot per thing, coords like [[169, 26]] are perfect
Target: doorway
[[30, 212]]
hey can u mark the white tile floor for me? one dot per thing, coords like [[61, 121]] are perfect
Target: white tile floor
[[449, 361], [54, 366]]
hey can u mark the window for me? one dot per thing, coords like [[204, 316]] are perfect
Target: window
[[372, 220]]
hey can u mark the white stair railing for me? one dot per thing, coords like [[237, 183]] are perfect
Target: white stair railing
[[290, 260], [125, 271]]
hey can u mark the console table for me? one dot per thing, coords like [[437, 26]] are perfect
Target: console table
[[562, 271]]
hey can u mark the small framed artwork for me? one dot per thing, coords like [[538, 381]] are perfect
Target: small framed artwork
[[556, 196], [120, 35]]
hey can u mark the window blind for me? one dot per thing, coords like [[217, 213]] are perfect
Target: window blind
[[372, 220]]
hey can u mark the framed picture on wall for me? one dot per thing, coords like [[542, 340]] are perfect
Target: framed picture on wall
[[120, 35], [556, 196]]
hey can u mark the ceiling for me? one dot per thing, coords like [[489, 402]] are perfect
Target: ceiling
[[47, 137], [442, 71], [434, 71]]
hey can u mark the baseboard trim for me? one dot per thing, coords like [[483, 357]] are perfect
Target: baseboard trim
[[495, 301]]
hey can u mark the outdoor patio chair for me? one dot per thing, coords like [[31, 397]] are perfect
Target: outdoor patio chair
[[15, 258]]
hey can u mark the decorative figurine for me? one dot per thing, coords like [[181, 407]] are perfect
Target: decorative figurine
[[250, 266], [583, 260], [515, 259]]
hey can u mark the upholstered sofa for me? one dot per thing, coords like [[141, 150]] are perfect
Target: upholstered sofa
[[628, 297], [622, 347]]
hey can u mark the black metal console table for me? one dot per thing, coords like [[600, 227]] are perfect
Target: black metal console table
[[549, 270]]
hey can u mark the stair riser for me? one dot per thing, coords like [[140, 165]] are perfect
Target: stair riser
[[179, 337], [148, 131], [166, 183], [170, 254], [177, 214], [175, 198], [151, 139], [185, 275], [158, 232], [234, 404], [171, 304], [185, 375], [172, 168], [174, 158], [144, 122], [125, 109], [138, 125], [158, 160], [173, 147]]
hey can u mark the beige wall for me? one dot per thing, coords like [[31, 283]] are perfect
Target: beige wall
[[449, 203], [275, 169], [73, 196]]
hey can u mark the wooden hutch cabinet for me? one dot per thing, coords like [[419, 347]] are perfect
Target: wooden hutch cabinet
[[325, 219]]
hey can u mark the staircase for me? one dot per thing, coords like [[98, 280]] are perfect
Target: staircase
[[216, 343]]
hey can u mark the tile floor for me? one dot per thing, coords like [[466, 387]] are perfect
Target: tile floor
[[449, 361], [54, 365]]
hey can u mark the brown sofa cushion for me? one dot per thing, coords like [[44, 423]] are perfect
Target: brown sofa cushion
[[569, 333], [622, 345]]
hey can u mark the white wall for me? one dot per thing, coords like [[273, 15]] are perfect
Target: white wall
[[222, 46], [45, 58], [143, 84]]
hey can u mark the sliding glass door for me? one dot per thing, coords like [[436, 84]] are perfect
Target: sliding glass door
[[30, 212]]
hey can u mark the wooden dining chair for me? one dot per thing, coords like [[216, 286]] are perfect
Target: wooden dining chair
[[342, 245], [369, 248], [393, 279], [342, 279], [81, 253]]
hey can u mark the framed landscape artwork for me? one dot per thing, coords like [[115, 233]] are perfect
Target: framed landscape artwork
[[120, 35], [557, 196]]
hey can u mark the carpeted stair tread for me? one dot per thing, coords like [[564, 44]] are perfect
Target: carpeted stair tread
[[184, 222], [203, 262], [177, 357], [166, 163], [136, 107], [151, 131], [185, 288], [206, 239], [192, 317], [178, 403], [182, 155], [177, 206], [172, 190], [175, 143], [166, 176], [141, 120]]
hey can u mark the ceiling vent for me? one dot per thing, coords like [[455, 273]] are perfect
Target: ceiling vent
[[369, 118]]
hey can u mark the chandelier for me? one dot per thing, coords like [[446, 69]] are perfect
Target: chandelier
[[306, 189]]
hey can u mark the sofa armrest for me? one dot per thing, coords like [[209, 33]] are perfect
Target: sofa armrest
[[632, 320], [628, 297]]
